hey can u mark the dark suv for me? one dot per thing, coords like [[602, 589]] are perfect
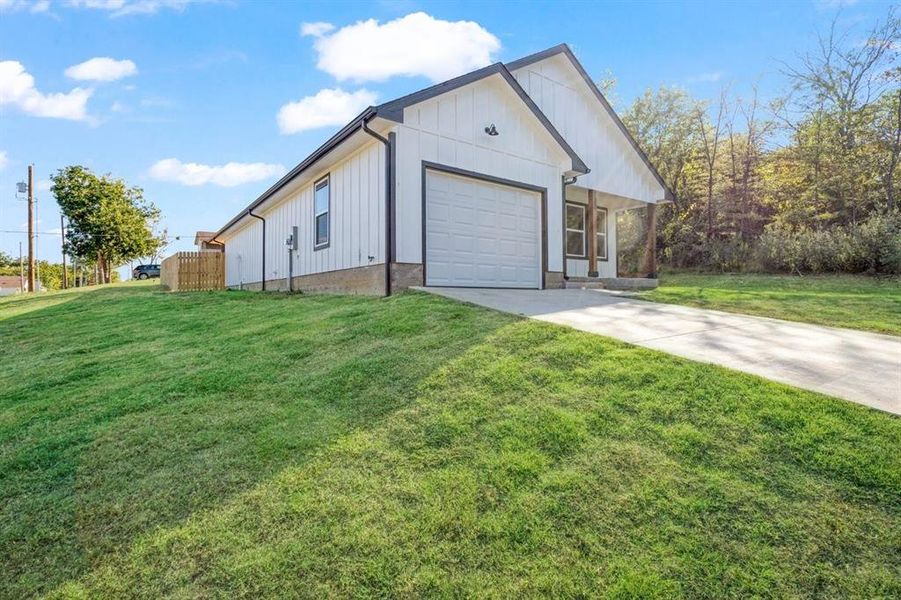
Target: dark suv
[[146, 271]]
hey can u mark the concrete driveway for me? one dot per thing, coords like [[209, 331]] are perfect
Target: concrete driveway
[[857, 366]]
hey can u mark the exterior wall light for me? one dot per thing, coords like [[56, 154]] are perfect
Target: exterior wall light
[[491, 130]]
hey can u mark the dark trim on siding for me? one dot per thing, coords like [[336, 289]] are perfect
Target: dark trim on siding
[[328, 178], [344, 133], [392, 140], [394, 110], [584, 208], [263, 269], [389, 198], [565, 49], [542, 191]]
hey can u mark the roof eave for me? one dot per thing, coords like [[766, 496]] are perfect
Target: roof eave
[[394, 110], [344, 133], [567, 51]]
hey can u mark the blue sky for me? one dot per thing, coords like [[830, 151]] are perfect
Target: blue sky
[[204, 104]]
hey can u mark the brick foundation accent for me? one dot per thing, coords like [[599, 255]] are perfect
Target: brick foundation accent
[[553, 280], [368, 280], [406, 275]]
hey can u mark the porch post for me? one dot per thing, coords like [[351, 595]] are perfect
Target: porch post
[[651, 248], [592, 235]]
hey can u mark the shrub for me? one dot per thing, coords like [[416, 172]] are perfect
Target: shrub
[[873, 246]]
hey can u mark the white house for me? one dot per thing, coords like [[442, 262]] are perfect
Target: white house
[[509, 176], [13, 284], [10, 284]]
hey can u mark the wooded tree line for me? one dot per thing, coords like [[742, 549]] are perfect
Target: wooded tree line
[[806, 183]]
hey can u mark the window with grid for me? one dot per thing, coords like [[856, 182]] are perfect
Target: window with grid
[[600, 228], [575, 230], [321, 202]]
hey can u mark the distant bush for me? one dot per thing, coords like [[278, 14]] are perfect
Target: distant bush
[[728, 254], [873, 246]]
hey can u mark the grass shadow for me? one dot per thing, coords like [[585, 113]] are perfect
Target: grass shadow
[[127, 409], [546, 462]]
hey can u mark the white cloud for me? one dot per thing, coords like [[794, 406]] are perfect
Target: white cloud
[[35, 6], [833, 4], [227, 175], [17, 89], [120, 8], [102, 68], [328, 107], [417, 44], [711, 77], [4, 159], [317, 29]]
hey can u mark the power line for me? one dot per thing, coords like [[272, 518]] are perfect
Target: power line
[[168, 237]]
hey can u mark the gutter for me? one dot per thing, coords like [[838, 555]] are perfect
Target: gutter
[[317, 154], [250, 213], [389, 199]]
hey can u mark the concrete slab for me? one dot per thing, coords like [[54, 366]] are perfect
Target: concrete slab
[[854, 365]]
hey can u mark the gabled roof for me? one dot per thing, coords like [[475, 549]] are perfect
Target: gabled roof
[[394, 110], [309, 161], [566, 51]]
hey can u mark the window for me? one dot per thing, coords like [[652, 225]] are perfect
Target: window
[[575, 230], [321, 202], [600, 229]]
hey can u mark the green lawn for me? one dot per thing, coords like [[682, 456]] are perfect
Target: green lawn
[[237, 444], [856, 302]]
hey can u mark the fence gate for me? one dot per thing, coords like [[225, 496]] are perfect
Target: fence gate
[[193, 271]]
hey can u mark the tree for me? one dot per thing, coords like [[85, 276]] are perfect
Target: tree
[[887, 138], [109, 222], [831, 111], [710, 141], [747, 142], [663, 123]]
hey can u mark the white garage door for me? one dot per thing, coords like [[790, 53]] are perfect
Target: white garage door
[[481, 234]]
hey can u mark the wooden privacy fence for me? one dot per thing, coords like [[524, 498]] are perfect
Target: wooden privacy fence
[[193, 271]]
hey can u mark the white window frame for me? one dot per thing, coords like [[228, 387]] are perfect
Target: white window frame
[[582, 231], [602, 248], [326, 183]]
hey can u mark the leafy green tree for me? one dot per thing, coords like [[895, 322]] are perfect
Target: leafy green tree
[[108, 222]]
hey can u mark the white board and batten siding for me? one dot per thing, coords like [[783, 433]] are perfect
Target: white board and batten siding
[[357, 225], [563, 96], [450, 130]]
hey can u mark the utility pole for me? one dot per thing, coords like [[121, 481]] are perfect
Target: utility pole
[[62, 237], [30, 228]]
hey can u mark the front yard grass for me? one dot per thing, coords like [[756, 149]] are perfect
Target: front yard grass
[[248, 445], [855, 302]]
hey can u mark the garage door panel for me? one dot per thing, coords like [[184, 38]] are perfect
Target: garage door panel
[[481, 234]]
